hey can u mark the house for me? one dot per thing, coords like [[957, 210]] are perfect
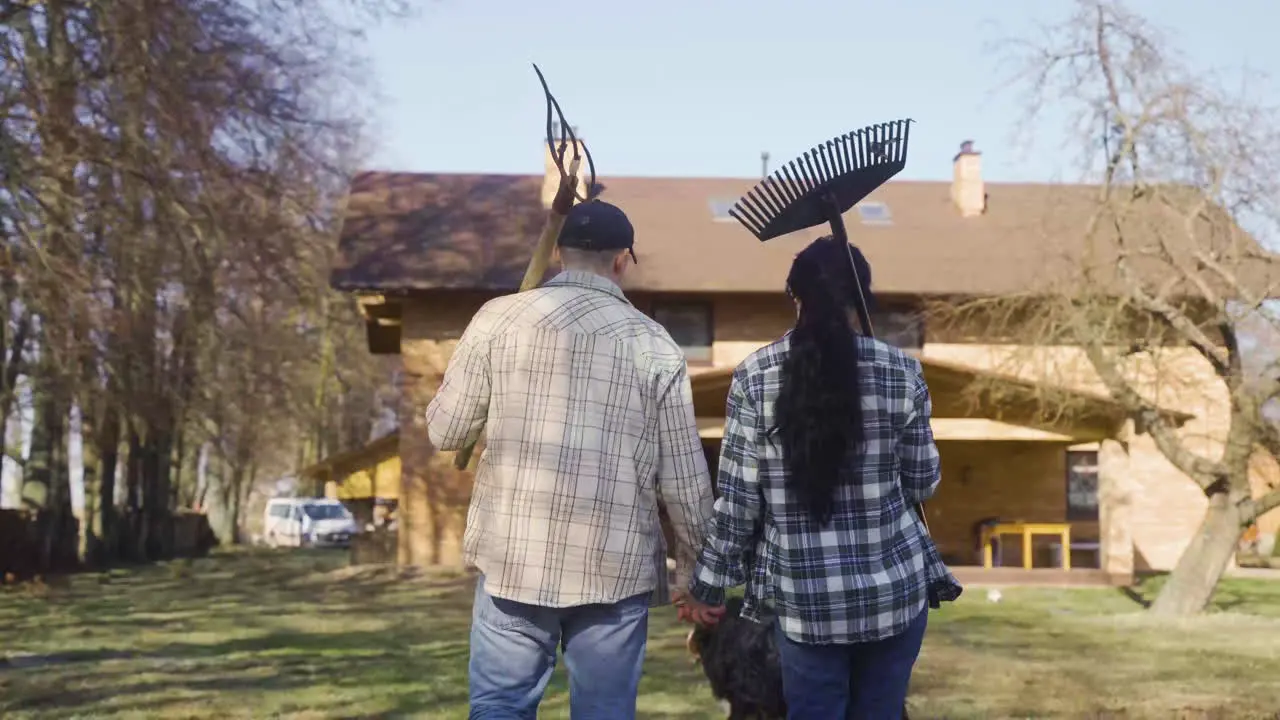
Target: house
[[424, 251]]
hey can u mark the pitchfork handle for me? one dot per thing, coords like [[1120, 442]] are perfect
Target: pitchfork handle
[[541, 258]]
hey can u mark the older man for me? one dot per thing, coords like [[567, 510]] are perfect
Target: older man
[[589, 419]]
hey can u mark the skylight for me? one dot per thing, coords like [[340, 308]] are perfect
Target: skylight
[[720, 209], [874, 213]]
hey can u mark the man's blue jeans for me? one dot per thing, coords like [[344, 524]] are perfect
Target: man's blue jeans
[[513, 651], [862, 681]]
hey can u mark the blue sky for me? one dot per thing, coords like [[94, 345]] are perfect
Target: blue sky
[[701, 87]]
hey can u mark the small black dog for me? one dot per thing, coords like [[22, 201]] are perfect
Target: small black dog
[[740, 659]]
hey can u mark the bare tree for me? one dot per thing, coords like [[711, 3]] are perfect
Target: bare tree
[[1152, 290], [169, 174]]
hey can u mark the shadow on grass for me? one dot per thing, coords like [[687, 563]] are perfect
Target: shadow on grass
[[298, 635], [269, 633], [1137, 597]]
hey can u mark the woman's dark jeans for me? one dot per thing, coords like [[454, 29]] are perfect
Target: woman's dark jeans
[[862, 681]]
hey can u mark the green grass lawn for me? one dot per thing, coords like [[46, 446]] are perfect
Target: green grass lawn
[[296, 634]]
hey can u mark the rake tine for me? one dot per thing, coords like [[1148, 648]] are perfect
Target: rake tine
[[803, 166], [824, 164], [774, 192], [797, 174], [805, 181], [829, 163], [748, 223], [828, 166], [814, 178], [762, 196], [792, 185], [750, 206], [813, 159]]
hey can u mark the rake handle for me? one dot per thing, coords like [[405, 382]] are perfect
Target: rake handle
[[538, 263], [841, 235]]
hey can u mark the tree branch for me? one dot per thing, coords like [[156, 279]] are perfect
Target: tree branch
[[1263, 505]]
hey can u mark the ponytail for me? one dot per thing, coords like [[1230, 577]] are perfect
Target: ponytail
[[819, 407]]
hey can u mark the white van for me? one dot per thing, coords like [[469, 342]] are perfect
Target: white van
[[307, 522]]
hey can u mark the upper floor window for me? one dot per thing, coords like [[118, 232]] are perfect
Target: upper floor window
[[690, 325], [1082, 485], [720, 209]]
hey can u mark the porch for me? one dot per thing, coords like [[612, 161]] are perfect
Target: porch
[[979, 577], [1013, 453]]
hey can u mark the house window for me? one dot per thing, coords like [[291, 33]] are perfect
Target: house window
[[720, 208], [1082, 485], [874, 213], [690, 326], [900, 328]]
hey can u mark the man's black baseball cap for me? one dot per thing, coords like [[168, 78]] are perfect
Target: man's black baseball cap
[[597, 225]]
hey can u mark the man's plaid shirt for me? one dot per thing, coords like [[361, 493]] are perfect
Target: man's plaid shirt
[[588, 415], [867, 574]]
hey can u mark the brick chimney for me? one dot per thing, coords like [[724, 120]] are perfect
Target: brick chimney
[[551, 173], [968, 192]]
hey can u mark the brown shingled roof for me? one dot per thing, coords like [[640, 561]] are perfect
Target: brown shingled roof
[[406, 232]]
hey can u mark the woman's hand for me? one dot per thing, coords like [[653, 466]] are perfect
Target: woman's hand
[[690, 610]]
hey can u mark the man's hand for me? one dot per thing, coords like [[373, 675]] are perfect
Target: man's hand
[[690, 610]]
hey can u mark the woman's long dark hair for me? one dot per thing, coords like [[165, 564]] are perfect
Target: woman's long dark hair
[[819, 408]]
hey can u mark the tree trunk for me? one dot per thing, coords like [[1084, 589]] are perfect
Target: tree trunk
[[38, 480], [90, 546], [232, 495], [135, 478], [46, 487], [159, 513], [1192, 582], [108, 452], [57, 540]]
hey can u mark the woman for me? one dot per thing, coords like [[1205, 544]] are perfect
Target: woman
[[826, 451]]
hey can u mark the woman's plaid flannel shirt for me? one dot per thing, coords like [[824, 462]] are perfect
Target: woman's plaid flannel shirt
[[869, 572]]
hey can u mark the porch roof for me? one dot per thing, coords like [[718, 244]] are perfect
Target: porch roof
[[355, 458], [961, 392]]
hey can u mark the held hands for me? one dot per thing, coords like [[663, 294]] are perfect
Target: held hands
[[690, 610]]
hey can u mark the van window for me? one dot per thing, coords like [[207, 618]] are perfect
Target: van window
[[325, 511], [279, 510]]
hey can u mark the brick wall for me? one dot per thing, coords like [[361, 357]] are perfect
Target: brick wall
[[433, 494], [743, 324], [1167, 506], [1154, 508], [1009, 480]]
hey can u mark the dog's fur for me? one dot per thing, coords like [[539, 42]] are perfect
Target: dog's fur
[[740, 659]]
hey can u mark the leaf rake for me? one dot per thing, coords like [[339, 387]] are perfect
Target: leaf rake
[[821, 185]]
